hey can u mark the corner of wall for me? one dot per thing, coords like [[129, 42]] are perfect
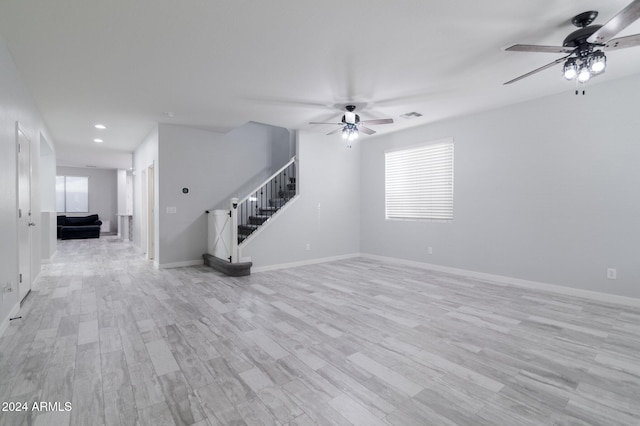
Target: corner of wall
[[7, 320]]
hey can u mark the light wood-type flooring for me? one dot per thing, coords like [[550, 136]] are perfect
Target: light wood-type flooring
[[352, 342]]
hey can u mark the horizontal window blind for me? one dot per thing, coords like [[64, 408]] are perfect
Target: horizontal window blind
[[419, 182]]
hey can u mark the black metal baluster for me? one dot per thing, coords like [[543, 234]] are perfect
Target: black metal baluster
[[286, 189], [239, 213], [268, 199]]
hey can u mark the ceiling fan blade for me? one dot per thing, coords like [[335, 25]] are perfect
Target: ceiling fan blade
[[318, 122], [339, 129], [622, 20], [623, 42], [378, 121], [542, 68], [536, 48], [366, 130]]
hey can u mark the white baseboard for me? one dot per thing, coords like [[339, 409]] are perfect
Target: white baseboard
[[303, 263], [35, 285], [5, 321], [499, 279], [178, 264]]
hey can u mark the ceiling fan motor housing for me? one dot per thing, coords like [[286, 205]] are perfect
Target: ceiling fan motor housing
[[579, 37], [350, 117]]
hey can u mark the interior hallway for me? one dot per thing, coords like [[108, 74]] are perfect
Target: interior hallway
[[354, 342]]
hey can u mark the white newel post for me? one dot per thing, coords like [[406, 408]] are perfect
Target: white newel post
[[234, 231]]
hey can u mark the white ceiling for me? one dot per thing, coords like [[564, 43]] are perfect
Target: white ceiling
[[219, 64]]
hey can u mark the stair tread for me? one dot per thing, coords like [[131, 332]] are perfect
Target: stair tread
[[248, 226], [258, 220]]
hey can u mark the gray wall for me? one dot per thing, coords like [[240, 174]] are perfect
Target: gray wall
[[16, 105], [326, 213], [264, 149], [74, 156], [215, 167], [546, 191], [103, 192]]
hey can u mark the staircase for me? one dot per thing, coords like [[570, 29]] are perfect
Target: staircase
[[260, 205], [227, 229]]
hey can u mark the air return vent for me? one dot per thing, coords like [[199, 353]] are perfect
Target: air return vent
[[410, 115]]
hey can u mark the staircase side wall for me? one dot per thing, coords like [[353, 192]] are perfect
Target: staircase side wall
[[323, 222]]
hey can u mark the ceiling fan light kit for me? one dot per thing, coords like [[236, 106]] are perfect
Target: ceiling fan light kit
[[597, 62], [590, 64], [349, 133], [570, 70], [584, 47]]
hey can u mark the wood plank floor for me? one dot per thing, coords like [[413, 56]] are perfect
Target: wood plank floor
[[354, 342]]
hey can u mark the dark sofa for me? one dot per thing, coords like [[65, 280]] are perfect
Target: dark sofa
[[79, 227]]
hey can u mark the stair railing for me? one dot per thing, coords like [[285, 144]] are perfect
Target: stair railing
[[229, 229]]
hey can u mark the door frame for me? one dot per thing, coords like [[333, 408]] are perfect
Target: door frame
[[146, 215], [151, 240], [20, 273]]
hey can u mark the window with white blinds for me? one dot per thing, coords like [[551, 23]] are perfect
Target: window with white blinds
[[72, 194], [419, 182]]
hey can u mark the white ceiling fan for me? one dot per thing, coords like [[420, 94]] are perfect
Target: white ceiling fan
[[351, 125], [585, 46]]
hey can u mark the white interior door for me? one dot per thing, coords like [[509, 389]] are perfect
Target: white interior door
[[25, 220]]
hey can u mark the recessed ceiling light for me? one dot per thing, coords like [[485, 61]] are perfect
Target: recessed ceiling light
[[100, 126], [98, 140]]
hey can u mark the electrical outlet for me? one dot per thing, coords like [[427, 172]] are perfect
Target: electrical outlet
[[430, 250], [612, 274], [308, 247]]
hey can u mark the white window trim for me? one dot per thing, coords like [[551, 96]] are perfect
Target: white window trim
[[447, 203]]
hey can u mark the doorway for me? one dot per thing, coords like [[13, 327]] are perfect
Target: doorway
[[25, 220], [150, 213]]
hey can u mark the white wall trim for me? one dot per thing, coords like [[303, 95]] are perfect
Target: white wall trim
[[303, 263], [499, 279], [179, 264], [5, 322], [35, 285]]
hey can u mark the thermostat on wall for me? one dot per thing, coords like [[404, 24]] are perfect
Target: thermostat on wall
[[185, 190]]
